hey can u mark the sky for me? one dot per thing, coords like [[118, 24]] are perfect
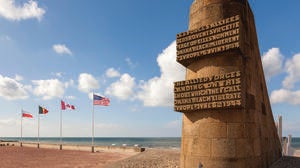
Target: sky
[[126, 51]]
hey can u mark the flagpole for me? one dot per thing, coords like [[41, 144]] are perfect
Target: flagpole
[[21, 128], [60, 146], [38, 145], [93, 126]]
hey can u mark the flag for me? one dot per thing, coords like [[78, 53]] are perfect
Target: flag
[[102, 101], [62, 105], [72, 107], [65, 106], [26, 114], [42, 110]]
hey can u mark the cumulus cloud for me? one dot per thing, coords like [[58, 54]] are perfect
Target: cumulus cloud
[[292, 67], [11, 89], [18, 77], [158, 91], [122, 89], [272, 62], [61, 49], [69, 83], [87, 82], [111, 73], [9, 10], [285, 96], [49, 89], [57, 74]]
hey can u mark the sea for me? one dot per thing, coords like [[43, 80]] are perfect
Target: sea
[[295, 142], [147, 142]]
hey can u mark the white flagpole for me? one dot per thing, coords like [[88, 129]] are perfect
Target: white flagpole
[[60, 146], [21, 127], [38, 145], [93, 126]]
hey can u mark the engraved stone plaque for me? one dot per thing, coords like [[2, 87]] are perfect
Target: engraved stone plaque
[[211, 39], [213, 92]]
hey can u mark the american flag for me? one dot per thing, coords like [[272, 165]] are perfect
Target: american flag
[[99, 100]]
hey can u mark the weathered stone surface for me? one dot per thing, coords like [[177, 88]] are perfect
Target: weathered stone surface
[[224, 148], [227, 117]]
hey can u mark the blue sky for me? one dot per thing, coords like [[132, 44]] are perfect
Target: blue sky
[[53, 50]]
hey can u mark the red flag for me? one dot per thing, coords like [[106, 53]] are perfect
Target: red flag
[[72, 107], [26, 115], [65, 106], [62, 105]]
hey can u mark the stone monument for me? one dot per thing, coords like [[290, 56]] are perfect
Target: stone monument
[[227, 117]]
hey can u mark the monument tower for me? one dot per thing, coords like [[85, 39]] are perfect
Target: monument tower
[[227, 117]]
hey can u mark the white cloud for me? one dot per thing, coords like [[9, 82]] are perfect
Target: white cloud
[[9, 10], [59, 74], [122, 89], [272, 62], [18, 77], [158, 91], [111, 73], [285, 96], [11, 89], [61, 49], [87, 83], [292, 67], [48, 88], [69, 83]]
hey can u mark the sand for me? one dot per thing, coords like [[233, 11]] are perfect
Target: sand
[[28, 157], [49, 157], [151, 158]]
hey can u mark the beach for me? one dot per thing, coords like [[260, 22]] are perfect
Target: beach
[[28, 157], [49, 155], [151, 158]]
